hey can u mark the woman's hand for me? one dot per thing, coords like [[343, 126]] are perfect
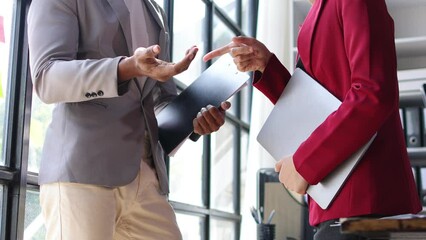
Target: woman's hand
[[248, 53], [289, 176]]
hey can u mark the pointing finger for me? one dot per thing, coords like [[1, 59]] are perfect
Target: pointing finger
[[219, 51]]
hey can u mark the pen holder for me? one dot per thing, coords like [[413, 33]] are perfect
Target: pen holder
[[265, 231]]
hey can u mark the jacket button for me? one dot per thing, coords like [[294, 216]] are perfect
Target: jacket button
[[100, 93], [88, 95], [93, 94]]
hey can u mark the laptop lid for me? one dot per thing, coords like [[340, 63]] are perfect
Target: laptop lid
[[304, 105]]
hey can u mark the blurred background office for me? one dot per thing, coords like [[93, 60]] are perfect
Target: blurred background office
[[216, 180]]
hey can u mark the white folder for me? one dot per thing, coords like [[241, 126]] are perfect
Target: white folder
[[301, 108]]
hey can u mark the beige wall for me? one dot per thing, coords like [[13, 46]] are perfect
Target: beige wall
[[288, 217]]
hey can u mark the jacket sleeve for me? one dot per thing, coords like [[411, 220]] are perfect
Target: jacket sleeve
[[372, 97], [273, 80], [53, 38]]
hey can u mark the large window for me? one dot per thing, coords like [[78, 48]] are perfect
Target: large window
[[15, 93], [206, 177], [6, 11]]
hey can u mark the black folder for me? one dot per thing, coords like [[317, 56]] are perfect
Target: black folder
[[215, 85]]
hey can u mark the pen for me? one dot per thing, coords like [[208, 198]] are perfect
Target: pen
[[271, 215], [254, 214], [259, 217]]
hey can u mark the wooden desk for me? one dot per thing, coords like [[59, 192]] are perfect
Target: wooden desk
[[413, 228]]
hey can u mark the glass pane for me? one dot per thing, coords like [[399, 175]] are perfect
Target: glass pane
[[188, 30], [6, 11], [222, 35], [229, 7], [41, 115], [244, 157], [222, 229], [185, 173], [34, 228], [245, 16], [190, 226], [222, 176], [245, 103], [245, 97], [160, 2]]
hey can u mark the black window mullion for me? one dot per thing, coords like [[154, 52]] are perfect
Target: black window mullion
[[253, 13], [209, 32], [236, 29], [17, 130], [206, 172], [169, 9], [206, 185], [237, 177], [239, 12]]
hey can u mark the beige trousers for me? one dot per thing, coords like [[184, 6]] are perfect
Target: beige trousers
[[86, 212]]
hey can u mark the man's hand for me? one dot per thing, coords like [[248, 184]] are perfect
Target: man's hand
[[248, 53], [289, 176], [144, 63], [210, 119]]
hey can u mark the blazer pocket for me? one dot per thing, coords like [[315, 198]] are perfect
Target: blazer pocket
[[93, 103]]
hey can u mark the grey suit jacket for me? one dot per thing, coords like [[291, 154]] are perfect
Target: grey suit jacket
[[97, 131]]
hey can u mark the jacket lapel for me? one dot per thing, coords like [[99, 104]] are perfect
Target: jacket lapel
[[122, 13], [307, 33], [163, 42], [155, 13]]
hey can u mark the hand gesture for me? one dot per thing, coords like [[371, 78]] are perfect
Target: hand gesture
[[248, 53], [144, 63]]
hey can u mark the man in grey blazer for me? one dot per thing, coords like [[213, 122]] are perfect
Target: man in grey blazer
[[104, 64]]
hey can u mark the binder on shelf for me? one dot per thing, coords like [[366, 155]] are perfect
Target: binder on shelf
[[412, 121], [215, 85], [423, 110], [301, 108], [401, 116]]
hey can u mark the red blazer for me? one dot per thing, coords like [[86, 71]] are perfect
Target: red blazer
[[348, 46]]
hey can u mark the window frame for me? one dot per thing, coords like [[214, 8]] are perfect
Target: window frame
[[234, 119], [13, 175], [16, 180]]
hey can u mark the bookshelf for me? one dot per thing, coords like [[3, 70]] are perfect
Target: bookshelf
[[410, 40]]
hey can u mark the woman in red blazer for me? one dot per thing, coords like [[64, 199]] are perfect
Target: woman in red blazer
[[348, 46]]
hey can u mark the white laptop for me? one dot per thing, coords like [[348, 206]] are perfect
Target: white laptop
[[304, 105]]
